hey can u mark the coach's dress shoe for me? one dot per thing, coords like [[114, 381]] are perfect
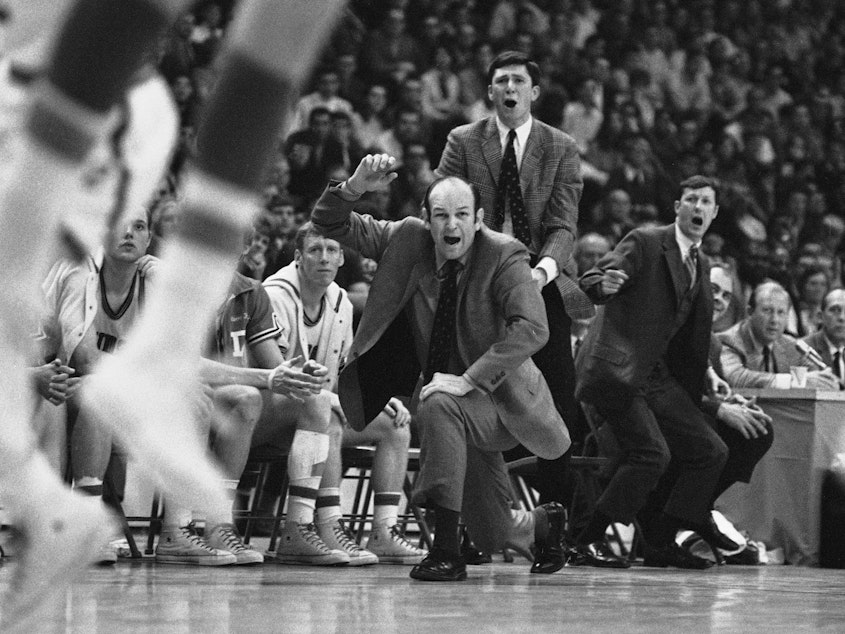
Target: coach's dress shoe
[[470, 554], [675, 556], [709, 532], [597, 554], [549, 556], [440, 566]]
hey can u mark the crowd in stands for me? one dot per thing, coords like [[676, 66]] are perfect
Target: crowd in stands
[[751, 93]]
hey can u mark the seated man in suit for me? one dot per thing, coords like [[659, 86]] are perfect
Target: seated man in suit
[[757, 352], [456, 301], [829, 342]]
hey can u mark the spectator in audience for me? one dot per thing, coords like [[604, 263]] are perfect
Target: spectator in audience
[[390, 52], [413, 178], [441, 89], [374, 119], [616, 216], [639, 177], [406, 129], [342, 149], [253, 260], [757, 352], [829, 341], [473, 405], [163, 219], [351, 87], [582, 118], [813, 286], [589, 249], [643, 359], [326, 96], [316, 321]]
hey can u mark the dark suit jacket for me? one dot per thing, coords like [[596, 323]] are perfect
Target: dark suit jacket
[[637, 327], [742, 357], [818, 342], [500, 323], [550, 176]]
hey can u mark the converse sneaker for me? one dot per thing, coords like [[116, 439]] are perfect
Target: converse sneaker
[[388, 543], [225, 537], [337, 537], [299, 544], [183, 546]]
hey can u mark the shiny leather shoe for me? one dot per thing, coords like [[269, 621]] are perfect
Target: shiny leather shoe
[[675, 556], [597, 554], [440, 566], [709, 532], [470, 554], [549, 555]]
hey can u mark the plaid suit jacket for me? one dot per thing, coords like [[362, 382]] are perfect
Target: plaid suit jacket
[[550, 175]]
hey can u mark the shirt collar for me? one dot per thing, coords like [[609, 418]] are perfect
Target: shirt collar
[[684, 243], [522, 132]]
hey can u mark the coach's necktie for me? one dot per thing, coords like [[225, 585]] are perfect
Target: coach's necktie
[[443, 332], [691, 262], [837, 363], [509, 193], [769, 363]]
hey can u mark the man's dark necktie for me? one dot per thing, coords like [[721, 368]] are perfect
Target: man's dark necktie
[[509, 193], [769, 362], [691, 262], [443, 332], [837, 359]]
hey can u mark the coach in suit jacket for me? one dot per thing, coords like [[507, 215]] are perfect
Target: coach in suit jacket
[[492, 397], [641, 366], [745, 429], [757, 352], [829, 342], [550, 185]]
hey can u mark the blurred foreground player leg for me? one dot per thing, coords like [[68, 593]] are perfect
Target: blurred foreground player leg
[[70, 112], [145, 385]]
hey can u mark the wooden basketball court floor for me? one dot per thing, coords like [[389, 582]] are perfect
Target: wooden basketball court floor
[[140, 596]]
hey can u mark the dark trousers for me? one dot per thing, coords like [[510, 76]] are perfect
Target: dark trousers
[[662, 423], [743, 456], [461, 464]]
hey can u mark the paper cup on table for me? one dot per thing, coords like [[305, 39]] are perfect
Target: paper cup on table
[[798, 374]]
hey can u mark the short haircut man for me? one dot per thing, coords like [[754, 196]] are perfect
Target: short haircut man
[[472, 339], [757, 352]]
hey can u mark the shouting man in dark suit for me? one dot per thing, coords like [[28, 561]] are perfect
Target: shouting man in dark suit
[[642, 365], [529, 177], [457, 301]]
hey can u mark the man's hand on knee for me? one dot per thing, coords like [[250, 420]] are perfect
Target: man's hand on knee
[[446, 383]]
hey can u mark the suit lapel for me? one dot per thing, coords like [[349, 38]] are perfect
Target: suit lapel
[[673, 260], [491, 148]]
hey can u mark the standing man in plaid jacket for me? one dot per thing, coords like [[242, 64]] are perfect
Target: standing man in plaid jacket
[[542, 212]]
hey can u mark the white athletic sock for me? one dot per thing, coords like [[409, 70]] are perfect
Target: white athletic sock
[[307, 457], [212, 520]]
